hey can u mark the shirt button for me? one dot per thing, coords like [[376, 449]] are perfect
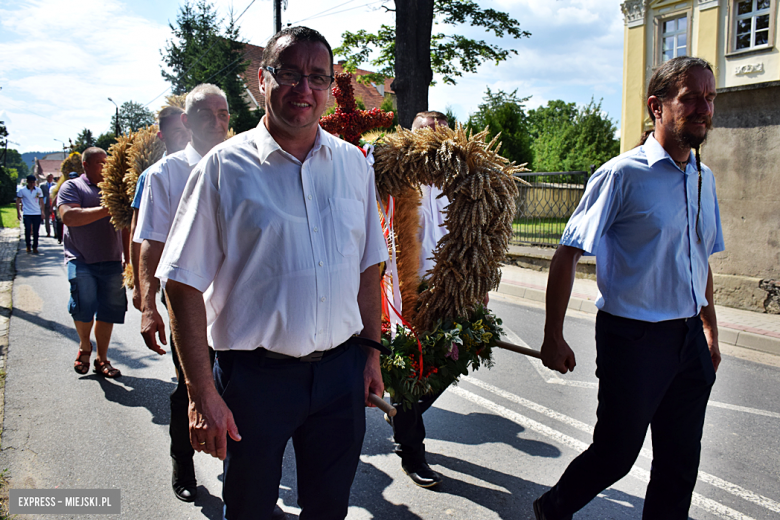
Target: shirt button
[[309, 197], [322, 263], [316, 229], [322, 299], [320, 332]]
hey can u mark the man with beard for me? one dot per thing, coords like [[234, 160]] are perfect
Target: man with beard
[[651, 218]]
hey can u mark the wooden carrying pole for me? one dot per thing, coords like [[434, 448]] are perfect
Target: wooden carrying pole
[[383, 405], [520, 350]]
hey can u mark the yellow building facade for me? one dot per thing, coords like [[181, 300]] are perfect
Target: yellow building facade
[[740, 39]]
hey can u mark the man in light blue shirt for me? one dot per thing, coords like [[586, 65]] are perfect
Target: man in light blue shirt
[[651, 218]]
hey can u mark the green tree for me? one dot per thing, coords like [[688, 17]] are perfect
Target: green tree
[[13, 159], [201, 52], [105, 141], [7, 185], [567, 138], [505, 113], [410, 52], [132, 116], [85, 139]]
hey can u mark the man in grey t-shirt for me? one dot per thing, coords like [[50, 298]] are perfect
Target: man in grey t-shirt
[[93, 254]]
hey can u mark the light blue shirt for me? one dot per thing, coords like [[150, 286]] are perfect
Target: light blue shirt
[[139, 189], [638, 216]]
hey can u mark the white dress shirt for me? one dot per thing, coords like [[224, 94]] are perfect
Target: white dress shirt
[[283, 242], [432, 227], [30, 204], [165, 181]]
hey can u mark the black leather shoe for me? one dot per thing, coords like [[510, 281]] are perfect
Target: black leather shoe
[[278, 514], [538, 513], [422, 474], [185, 486]]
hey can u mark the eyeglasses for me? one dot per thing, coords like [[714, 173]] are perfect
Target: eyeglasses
[[292, 78]]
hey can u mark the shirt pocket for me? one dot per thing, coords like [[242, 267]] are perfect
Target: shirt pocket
[[349, 226]]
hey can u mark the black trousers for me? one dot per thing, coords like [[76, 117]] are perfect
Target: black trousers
[[181, 449], [32, 224], [650, 374], [409, 430], [319, 405]]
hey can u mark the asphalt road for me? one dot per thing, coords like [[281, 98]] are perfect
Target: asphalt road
[[500, 438]]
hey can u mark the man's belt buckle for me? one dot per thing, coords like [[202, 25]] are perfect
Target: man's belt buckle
[[313, 357]]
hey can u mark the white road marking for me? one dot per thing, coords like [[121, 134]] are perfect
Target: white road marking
[[552, 377], [579, 446], [724, 485]]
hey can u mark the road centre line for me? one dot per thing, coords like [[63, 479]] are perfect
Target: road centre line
[[717, 482], [579, 446], [552, 377]]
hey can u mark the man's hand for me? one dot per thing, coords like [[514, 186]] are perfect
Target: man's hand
[[211, 421], [712, 344], [136, 296], [557, 355], [372, 376], [151, 324]]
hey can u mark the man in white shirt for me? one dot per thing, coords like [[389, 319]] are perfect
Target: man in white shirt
[[279, 227], [206, 116], [175, 136], [29, 208]]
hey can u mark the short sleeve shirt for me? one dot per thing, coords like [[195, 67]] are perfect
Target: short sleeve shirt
[[638, 216], [277, 245], [30, 204], [432, 206], [165, 181], [91, 243]]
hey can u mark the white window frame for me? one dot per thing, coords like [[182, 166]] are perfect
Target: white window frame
[[659, 34], [734, 18]]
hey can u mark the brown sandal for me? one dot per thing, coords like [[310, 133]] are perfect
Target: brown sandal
[[81, 366], [106, 370]]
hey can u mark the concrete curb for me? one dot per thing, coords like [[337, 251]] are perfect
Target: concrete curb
[[9, 247], [729, 336]]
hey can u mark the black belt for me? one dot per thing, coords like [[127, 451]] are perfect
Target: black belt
[[318, 355]]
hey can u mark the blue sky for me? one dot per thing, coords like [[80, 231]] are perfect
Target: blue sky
[[64, 58]]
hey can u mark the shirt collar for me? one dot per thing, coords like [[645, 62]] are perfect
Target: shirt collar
[[266, 144], [655, 152], [192, 155]]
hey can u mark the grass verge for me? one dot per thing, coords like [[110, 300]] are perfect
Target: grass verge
[[8, 219]]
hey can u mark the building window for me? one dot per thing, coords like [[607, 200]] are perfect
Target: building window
[[752, 21], [674, 38]]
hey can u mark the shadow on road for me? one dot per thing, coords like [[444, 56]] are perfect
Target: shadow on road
[[210, 505], [133, 392]]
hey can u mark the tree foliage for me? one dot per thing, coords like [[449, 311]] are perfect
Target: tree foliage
[[203, 52], [568, 138], [451, 55], [559, 137], [105, 141], [504, 113], [414, 53], [85, 139], [13, 159], [132, 116]]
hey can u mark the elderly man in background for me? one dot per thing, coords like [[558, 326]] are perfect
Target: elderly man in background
[[206, 119], [94, 250]]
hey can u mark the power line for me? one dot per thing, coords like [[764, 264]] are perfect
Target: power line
[[338, 12], [325, 11], [201, 56]]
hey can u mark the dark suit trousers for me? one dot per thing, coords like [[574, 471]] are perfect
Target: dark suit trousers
[[32, 223], [319, 405], [409, 430], [650, 374]]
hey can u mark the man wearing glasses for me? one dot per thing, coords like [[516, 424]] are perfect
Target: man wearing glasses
[[280, 225]]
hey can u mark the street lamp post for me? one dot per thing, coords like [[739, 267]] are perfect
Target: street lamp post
[[117, 131]]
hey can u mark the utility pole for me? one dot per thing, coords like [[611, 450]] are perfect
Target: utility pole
[[277, 16], [117, 131]]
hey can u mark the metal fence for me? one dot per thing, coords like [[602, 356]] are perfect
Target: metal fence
[[544, 207]]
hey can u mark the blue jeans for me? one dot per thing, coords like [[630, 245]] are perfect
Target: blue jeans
[[96, 291], [32, 223]]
